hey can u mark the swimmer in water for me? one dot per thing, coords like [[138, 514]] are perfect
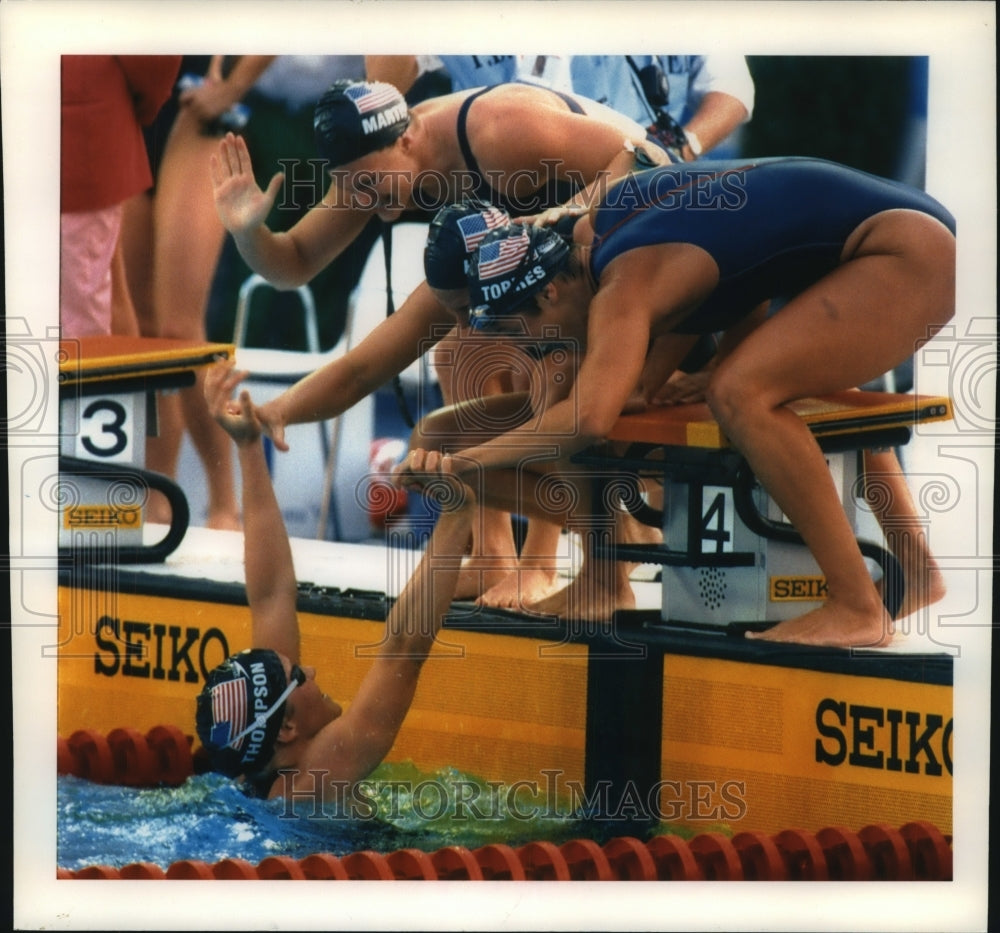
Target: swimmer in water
[[262, 715]]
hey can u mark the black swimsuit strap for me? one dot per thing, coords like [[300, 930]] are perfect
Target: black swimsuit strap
[[463, 139], [483, 189]]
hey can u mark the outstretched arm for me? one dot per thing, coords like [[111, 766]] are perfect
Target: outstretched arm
[[395, 343], [352, 745], [270, 574]]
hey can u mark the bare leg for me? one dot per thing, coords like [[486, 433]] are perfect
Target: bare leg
[[492, 574], [137, 253], [535, 574], [888, 495], [493, 553], [601, 587], [124, 318], [893, 290], [187, 243], [560, 496]]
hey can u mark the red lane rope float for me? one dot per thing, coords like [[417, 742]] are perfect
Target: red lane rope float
[[173, 750], [91, 756], [846, 856], [888, 852], [412, 865], [918, 851], [674, 859], [760, 857], [133, 759], [630, 859], [543, 861], [803, 854], [235, 869], [190, 870], [65, 759], [142, 871], [499, 862], [322, 867], [587, 861], [126, 757], [98, 873], [456, 863], [280, 868], [717, 857], [367, 866], [930, 851]]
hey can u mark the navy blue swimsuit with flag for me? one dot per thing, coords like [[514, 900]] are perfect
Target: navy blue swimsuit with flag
[[773, 226]]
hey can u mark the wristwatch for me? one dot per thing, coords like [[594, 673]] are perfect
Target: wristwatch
[[694, 143]]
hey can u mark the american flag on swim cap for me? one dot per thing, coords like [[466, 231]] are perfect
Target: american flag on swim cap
[[369, 97], [229, 709], [501, 256], [474, 227]]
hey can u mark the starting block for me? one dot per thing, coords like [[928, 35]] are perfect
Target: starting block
[[729, 558], [107, 408]]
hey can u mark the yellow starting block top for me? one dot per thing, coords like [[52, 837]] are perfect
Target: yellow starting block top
[[840, 413], [116, 358]]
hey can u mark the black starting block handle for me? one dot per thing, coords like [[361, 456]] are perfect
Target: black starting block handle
[[180, 513], [892, 572], [657, 554]]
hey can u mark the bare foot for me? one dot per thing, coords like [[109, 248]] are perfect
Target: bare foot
[[599, 590], [521, 588], [480, 574], [832, 626], [224, 520], [924, 589]]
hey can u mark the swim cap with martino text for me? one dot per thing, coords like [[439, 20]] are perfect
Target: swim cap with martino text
[[355, 118]]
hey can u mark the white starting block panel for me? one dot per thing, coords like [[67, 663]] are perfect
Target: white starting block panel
[[783, 580], [107, 389], [729, 556]]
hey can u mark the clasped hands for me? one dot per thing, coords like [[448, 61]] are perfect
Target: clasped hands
[[441, 477]]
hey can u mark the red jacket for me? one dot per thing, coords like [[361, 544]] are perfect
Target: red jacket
[[106, 100]]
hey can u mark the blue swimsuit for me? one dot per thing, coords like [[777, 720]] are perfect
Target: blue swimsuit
[[773, 226]]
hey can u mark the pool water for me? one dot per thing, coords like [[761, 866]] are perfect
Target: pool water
[[209, 818]]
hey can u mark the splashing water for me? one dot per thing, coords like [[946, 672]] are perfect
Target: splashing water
[[209, 818]]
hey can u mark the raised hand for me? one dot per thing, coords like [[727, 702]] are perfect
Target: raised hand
[[241, 204]]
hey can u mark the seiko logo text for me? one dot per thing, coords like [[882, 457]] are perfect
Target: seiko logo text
[[883, 739], [156, 651], [808, 589]]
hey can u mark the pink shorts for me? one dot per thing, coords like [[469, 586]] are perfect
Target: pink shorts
[[88, 240]]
